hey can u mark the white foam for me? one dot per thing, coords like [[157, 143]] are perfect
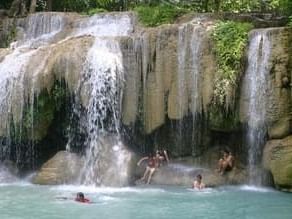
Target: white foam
[[202, 191], [255, 188], [105, 190]]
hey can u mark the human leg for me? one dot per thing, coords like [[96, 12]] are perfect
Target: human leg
[[152, 170], [145, 173]]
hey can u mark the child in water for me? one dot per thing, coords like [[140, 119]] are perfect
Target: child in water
[[198, 184]]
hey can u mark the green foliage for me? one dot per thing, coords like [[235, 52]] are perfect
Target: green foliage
[[37, 118], [240, 5], [94, 11], [290, 21], [71, 5], [5, 4], [222, 121], [108, 5], [152, 16], [230, 39]]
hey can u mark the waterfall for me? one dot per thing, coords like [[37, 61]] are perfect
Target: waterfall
[[109, 25], [99, 92], [17, 82], [30, 61], [40, 29], [256, 83], [102, 81], [188, 91]]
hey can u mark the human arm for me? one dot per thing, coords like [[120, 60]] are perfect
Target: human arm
[[166, 155], [142, 159]]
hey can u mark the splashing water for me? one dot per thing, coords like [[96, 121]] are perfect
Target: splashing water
[[40, 29], [100, 93], [109, 25], [256, 84]]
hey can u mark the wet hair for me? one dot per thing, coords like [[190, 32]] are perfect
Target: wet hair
[[80, 195], [226, 151], [199, 176]]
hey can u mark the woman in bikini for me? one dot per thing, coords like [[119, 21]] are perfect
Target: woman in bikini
[[152, 164]]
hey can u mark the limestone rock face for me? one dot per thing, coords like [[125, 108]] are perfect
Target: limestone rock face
[[172, 74], [277, 159], [280, 128], [63, 168]]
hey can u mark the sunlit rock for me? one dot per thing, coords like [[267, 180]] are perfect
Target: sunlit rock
[[63, 168], [277, 158]]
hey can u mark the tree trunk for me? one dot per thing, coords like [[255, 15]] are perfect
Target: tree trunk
[[217, 5], [18, 8], [32, 6], [49, 5], [206, 4]]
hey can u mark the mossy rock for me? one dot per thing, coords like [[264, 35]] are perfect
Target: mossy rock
[[223, 121], [38, 117]]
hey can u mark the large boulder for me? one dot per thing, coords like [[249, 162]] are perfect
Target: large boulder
[[183, 172], [64, 167], [177, 174], [277, 159]]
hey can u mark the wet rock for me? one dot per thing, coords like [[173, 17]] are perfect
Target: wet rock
[[277, 159], [63, 168], [184, 175], [280, 128]]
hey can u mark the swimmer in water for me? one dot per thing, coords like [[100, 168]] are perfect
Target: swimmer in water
[[198, 184], [80, 198]]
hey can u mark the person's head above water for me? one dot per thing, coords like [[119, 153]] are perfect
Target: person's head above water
[[79, 196], [199, 177]]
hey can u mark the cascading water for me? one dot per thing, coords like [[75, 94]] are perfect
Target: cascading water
[[15, 94], [99, 88], [40, 29], [101, 84], [99, 91], [189, 44], [256, 85]]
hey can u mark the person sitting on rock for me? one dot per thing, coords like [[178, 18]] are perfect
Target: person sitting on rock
[[80, 198], [152, 164], [198, 184], [226, 163]]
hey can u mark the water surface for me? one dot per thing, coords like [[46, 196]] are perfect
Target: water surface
[[48, 202]]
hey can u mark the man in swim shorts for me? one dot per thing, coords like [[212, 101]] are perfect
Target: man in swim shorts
[[226, 163]]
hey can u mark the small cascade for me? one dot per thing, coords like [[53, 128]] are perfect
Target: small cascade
[[17, 83], [13, 69], [109, 25], [256, 85], [40, 29], [188, 96]]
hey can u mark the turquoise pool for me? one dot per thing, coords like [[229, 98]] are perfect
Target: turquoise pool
[[26, 201]]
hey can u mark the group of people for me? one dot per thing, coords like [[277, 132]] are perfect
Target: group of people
[[154, 161], [225, 164]]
